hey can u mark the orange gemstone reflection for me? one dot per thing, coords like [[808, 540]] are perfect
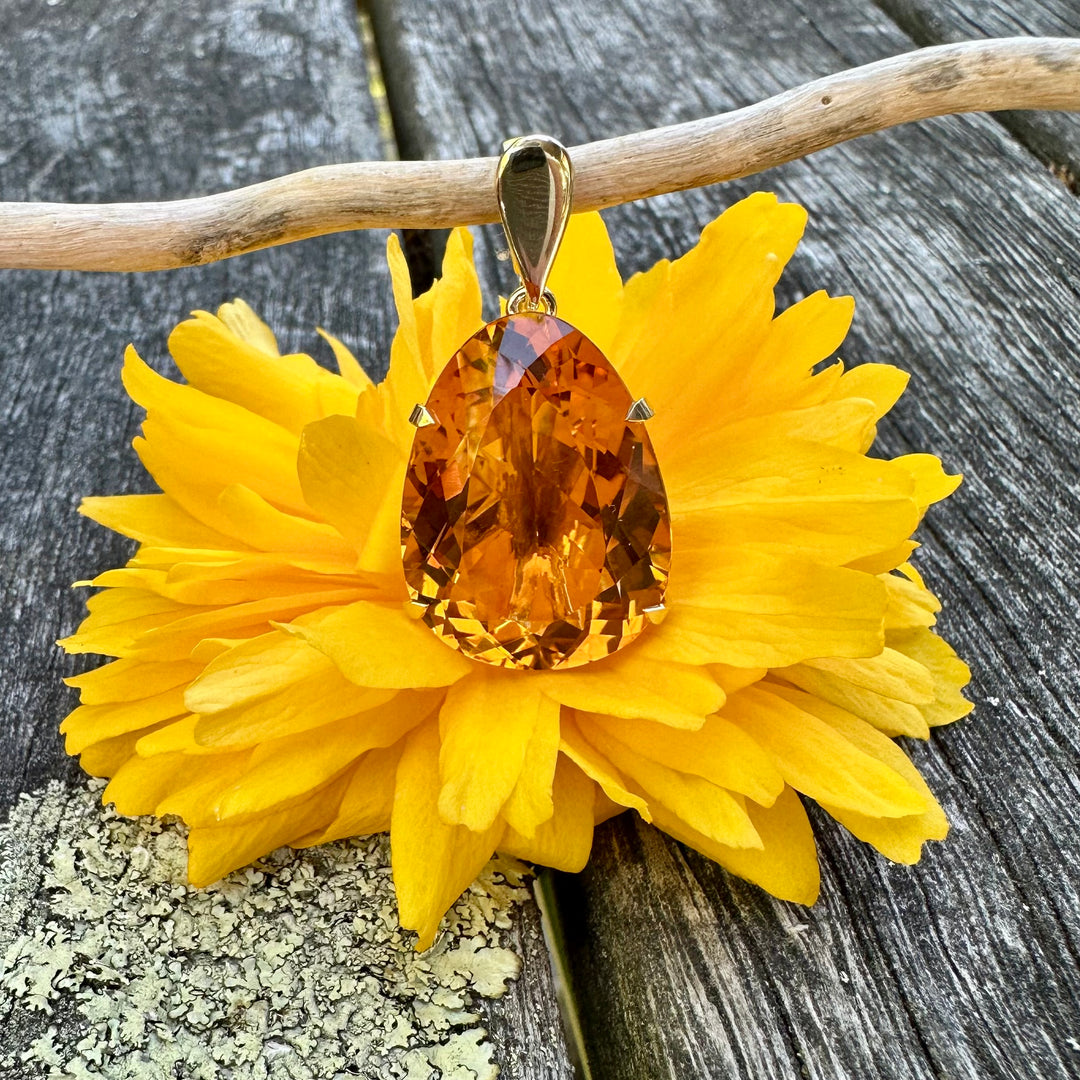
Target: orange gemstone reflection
[[535, 526]]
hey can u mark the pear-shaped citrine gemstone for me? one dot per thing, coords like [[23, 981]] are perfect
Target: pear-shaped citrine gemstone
[[535, 526]]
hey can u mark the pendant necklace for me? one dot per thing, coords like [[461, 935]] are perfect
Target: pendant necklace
[[535, 526]]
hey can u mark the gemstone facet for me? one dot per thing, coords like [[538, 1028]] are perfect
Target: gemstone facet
[[535, 528]]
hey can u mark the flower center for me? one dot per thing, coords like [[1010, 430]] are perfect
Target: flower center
[[535, 525]]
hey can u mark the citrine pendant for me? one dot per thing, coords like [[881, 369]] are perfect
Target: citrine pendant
[[535, 526]]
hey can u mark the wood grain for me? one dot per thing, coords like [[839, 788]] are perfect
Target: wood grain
[[1014, 73], [962, 253], [1053, 137], [107, 100]]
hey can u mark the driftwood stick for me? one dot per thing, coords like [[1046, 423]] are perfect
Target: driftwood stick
[[972, 76]]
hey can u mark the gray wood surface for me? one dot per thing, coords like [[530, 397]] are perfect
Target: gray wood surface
[[962, 252], [147, 99], [1053, 137]]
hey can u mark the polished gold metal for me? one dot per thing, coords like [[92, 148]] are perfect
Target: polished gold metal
[[640, 410], [534, 186], [519, 301], [420, 417]]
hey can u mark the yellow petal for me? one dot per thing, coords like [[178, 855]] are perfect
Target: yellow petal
[[195, 444], [886, 690], [215, 852], [381, 556], [346, 470], [195, 490], [378, 645], [844, 425], [882, 384], [899, 839], [105, 758], [751, 609], [211, 648], [175, 637], [603, 808], [785, 866], [266, 528], [208, 585], [892, 674], [290, 390], [154, 519], [531, 803], [252, 669], [816, 759], [271, 686], [177, 736], [949, 672], [433, 862], [586, 282], [776, 381], [348, 366], [169, 783], [798, 339], [785, 494], [564, 840], [629, 684], [647, 305], [451, 308], [116, 619], [486, 724], [130, 680], [706, 808], [238, 316], [881, 562], [284, 770], [89, 724], [187, 785], [868, 688], [932, 484], [910, 603], [775, 466], [367, 801], [409, 379], [735, 678], [597, 767], [719, 751], [718, 304]]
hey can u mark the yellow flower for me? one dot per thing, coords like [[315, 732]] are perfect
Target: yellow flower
[[270, 687]]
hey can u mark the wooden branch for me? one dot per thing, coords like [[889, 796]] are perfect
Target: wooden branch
[[972, 76]]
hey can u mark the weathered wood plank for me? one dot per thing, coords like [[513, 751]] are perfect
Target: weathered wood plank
[[1053, 137], [961, 252], [141, 100], [132, 100]]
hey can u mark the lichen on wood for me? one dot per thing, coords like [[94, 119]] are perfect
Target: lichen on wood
[[293, 968]]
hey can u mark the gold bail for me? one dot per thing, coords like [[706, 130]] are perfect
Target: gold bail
[[534, 186]]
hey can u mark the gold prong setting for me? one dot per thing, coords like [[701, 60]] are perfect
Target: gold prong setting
[[656, 613], [420, 417], [640, 411]]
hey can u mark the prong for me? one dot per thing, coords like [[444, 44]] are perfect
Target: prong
[[655, 614], [415, 609], [639, 411], [420, 417]]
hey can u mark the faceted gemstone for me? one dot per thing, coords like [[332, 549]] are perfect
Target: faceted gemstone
[[535, 528]]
